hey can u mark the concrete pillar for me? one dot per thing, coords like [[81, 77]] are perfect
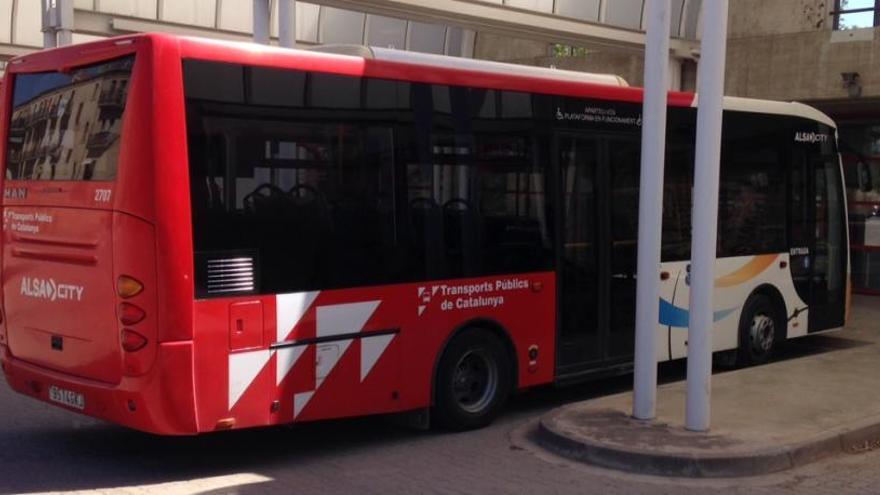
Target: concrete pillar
[[710, 86], [48, 25], [261, 21], [287, 23], [64, 10], [651, 208], [675, 74]]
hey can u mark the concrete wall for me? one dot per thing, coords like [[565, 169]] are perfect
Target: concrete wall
[[802, 66], [787, 50], [750, 18], [627, 64], [777, 49]]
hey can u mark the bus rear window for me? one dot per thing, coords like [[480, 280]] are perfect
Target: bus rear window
[[66, 126]]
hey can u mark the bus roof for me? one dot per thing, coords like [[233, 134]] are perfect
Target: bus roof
[[501, 68], [774, 107]]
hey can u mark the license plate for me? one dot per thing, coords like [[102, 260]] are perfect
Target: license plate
[[68, 398]]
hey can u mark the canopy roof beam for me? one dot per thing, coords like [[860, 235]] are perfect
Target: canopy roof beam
[[513, 22]]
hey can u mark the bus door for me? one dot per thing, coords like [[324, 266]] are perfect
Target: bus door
[[623, 159], [817, 239], [598, 215]]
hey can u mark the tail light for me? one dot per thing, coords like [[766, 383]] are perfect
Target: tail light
[[128, 287], [132, 341], [129, 314]]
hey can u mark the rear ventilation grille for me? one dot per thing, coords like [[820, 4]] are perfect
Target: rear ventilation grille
[[227, 274]]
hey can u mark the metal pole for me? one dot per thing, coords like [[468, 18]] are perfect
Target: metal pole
[[261, 21], [287, 23], [710, 87], [64, 11], [651, 208], [48, 27]]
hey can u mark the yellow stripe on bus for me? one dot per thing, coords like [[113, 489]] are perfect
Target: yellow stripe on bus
[[746, 272]]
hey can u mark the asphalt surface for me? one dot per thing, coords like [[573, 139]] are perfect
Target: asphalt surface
[[46, 449]]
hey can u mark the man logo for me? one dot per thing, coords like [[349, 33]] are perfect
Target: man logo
[[15, 193]]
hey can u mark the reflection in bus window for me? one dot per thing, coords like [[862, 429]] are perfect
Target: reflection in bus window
[[346, 191], [62, 130]]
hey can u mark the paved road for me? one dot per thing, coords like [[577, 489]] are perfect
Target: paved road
[[44, 449]]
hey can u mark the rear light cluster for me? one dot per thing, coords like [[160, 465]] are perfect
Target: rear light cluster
[[130, 314]]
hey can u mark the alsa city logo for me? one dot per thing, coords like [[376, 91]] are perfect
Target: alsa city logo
[[810, 137], [48, 289]]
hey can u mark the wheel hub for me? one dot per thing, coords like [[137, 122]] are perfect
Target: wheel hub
[[474, 381], [762, 333]]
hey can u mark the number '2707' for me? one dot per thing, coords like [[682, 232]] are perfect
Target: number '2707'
[[102, 195]]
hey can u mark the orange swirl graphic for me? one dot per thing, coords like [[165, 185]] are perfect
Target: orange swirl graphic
[[746, 272]]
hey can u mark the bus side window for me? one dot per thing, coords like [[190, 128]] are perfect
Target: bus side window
[[476, 182], [751, 216], [678, 185]]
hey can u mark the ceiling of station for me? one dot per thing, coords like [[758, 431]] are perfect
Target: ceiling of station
[[433, 26], [619, 13]]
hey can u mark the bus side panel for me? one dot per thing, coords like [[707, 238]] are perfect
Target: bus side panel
[[171, 193], [527, 313], [220, 370], [797, 310], [352, 352], [735, 280]]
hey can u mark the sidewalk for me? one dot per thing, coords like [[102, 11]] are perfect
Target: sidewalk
[[764, 419]]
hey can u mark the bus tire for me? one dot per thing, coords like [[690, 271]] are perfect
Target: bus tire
[[760, 330], [473, 381]]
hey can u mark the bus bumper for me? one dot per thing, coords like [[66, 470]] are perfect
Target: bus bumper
[[160, 402]]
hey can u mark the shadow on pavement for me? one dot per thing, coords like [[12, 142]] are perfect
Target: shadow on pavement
[[97, 455]]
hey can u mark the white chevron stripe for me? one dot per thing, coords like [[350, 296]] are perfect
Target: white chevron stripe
[[344, 318], [327, 356], [289, 309], [243, 370], [287, 358], [338, 319], [300, 400], [371, 350]]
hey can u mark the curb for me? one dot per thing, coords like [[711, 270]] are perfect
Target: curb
[[552, 436]]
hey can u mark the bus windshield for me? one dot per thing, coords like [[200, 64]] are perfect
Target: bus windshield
[[66, 125]]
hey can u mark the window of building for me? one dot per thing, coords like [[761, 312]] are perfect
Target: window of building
[[386, 32], [341, 26], [427, 38], [587, 10], [624, 13], [855, 14]]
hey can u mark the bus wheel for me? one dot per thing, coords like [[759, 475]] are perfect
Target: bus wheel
[[473, 381], [760, 330]]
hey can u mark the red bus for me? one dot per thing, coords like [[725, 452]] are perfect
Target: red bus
[[202, 235]]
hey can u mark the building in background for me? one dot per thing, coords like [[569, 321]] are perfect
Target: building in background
[[820, 52], [550, 23], [20, 24]]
